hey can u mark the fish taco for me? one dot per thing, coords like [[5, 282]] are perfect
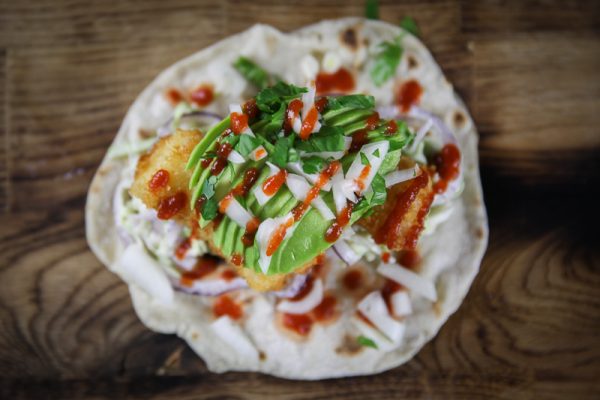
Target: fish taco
[[304, 204]]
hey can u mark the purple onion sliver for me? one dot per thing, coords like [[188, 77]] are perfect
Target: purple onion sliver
[[337, 253], [293, 288], [212, 287]]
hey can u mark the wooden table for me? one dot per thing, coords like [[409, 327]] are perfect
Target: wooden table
[[530, 75]]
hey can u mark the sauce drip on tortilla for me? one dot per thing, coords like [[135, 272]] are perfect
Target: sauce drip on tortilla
[[299, 323], [352, 279], [205, 265], [339, 81], [173, 96], [326, 310], [224, 305], [448, 166], [169, 206], [409, 94], [202, 95], [409, 259], [229, 274]]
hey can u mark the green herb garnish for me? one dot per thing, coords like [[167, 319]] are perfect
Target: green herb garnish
[[329, 138], [313, 164], [269, 100], [364, 159], [410, 25], [372, 9], [252, 72], [386, 61], [365, 341]]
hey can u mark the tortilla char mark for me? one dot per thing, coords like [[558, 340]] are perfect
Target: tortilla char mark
[[400, 220]]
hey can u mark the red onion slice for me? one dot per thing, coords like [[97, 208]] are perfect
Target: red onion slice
[[211, 287], [293, 287]]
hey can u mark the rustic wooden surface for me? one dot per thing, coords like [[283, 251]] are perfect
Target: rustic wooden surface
[[529, 73]]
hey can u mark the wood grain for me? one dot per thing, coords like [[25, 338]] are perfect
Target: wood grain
[[529, 74]]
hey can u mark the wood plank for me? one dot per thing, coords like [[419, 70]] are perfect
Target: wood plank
[[535, 103], [506, 17], [4, 144], [77, 23]]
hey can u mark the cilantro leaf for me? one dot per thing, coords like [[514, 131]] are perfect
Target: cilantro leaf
[[390, 162], [329, 138], [364, 159], [209, 209], [279, 156], [252, 72], [386, 62], [365, 341], [208, 189], [379, 191], [372, 9], [313, 164], [246, 144], [269, 100], [350, 101], [275, 122], [410, 25], [376, 153]]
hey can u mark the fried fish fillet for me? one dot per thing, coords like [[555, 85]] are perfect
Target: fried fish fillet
[[170, 154], [399, 221]]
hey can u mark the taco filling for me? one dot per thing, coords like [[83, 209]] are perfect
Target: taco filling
[[287, 207]]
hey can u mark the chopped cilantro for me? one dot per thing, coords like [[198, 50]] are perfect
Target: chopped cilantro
[[376, 153], [372, 9], [269, 100], [313, 164], [365, 341], [410, 25], [386, 61], [252, 72], [350, 101], [246, 144], [279, 156], [364, 159], [329, 138], [209, 209]]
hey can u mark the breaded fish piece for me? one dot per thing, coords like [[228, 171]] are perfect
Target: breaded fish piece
[[399, 221], [169, 154]]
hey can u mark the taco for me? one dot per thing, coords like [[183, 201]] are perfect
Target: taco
[[303, 204]]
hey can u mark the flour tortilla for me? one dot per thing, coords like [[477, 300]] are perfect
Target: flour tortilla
[[451, 256]]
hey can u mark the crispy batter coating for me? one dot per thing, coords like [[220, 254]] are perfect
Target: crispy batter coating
[[399, 221], [170, 153]]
